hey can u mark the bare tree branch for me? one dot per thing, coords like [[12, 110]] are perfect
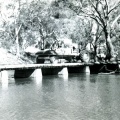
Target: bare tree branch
[[113, 23], [99, 14], [17, 32], [94, 18], [118, 4], [106, 6]]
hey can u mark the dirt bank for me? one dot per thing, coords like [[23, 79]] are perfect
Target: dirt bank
[[10, 59]]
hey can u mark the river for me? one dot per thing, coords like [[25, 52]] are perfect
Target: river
[[73, 97]]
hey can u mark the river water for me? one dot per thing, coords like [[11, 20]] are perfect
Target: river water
[[73, 97]]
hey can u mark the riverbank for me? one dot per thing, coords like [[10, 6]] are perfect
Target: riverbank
[[7, 58]]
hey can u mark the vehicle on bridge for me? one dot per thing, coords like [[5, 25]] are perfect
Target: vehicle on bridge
[[52, 56]]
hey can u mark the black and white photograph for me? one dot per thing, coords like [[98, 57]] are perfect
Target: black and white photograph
[[59, 59]]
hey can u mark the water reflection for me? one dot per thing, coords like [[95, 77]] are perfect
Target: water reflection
[[38, 81], [64, 77], [75, 97], [93, 78]]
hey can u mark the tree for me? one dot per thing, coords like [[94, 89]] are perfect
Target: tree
[[37, 19], [26, 23], [100, 11], [69, 25], [10, 12]]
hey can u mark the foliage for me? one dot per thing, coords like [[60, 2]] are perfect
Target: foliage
[[43, 23], [101, 12]]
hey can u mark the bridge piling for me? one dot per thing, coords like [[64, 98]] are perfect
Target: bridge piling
[[4, 75], [64, 71], [86, 70], [37, 73], [4, 79]]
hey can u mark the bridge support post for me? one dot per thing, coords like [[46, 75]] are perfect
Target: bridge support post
[[64, 71], [4, 75], [87, 70], [37, 73], [38, 77], [4, 78]]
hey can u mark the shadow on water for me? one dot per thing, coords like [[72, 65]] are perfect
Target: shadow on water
[[19, 81]]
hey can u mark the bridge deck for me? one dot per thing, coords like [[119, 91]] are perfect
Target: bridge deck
[[35, 66]]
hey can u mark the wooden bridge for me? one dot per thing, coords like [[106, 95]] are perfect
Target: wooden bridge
[[26, 70], [35, 66]]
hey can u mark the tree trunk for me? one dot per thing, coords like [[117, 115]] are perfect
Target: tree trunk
[[17, 30], [110, 47], [17, 45], [94, 37], [18, 48]]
